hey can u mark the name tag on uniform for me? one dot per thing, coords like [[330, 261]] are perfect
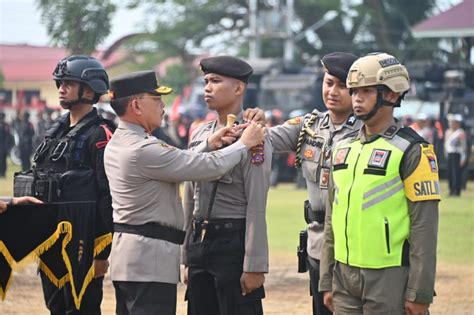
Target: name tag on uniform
[[324, 178]]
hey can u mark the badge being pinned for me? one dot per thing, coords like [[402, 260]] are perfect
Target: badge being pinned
[[257, 154]]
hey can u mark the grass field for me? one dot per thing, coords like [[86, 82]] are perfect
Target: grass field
[[285, 220], [286, 290]]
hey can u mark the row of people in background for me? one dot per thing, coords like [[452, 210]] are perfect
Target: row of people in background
[[22, 134]]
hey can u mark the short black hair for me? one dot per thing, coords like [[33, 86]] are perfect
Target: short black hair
[[119, 105]]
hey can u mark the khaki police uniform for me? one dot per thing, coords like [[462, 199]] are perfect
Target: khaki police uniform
[[357, 287], [144, 175], [236, 237]]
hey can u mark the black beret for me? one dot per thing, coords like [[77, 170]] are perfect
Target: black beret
[[227, 66], [136, 83], [338, 64]]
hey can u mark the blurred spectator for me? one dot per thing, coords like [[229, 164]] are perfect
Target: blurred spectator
[[26, 133], [6, 143], [423, 127], [455, 147]]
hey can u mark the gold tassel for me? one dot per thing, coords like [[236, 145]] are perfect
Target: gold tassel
[[62, 227]]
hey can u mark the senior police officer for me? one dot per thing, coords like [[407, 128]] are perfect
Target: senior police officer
[[74, 147], [226, 252], [144, 175], [312, 137], [379, 253]]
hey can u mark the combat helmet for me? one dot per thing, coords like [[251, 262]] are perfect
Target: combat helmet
[[85, 70], [382, 71]]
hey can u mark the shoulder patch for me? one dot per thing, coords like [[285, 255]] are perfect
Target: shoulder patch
[[295, 121], [423, 183]]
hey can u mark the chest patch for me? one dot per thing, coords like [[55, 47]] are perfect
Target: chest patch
[[308, 154], [341, 156], [379, 158]]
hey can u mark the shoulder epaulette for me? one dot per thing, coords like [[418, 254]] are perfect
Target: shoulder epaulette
[[410, 135], [350, 135]]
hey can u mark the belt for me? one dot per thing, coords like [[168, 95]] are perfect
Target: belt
[[220, 225], [311, 216], [153, 230]]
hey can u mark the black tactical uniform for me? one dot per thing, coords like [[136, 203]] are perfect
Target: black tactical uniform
[[75, 154]]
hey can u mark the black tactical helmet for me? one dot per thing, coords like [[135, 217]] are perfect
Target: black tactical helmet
[[83, 69]]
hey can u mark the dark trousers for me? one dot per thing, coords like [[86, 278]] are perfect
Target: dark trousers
[[61, 302], [454, 174], [214, 270], [318, 305], [145, 298]]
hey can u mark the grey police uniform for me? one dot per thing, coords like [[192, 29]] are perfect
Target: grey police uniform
[[315, 155], [384, 290], [144, 175], [236, 238]]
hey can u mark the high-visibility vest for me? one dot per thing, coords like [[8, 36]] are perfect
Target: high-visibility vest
[[370, 218]]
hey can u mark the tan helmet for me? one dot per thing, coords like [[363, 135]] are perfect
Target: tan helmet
[[379, 69]]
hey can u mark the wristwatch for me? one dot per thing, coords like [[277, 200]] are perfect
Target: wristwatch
[[9, 201]]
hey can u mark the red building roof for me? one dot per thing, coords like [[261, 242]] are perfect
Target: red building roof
[[36, 63], [458, 21]]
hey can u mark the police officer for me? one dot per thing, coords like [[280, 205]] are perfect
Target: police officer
[[144, 174], [6, 143], [313, 137], [379, 252], [226, 251], [455, 148], [76, 142], [26, 133]]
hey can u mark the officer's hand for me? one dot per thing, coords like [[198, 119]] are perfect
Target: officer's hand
[[327, 300], [250, 281], [185, 276], [3, 206], [100, 267], [222, 137], [254, 114], [412, 308], [25, 200], [253, 135], [19, 201]]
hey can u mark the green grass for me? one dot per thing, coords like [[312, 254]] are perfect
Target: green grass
[[285, 220]]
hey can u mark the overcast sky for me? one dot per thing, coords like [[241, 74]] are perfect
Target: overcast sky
[[20, 22]]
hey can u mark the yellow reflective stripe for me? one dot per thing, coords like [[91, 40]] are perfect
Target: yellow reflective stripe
[[382, 187], [383, 196]]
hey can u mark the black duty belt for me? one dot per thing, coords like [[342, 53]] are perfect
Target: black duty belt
[[153, 230], [218, 226], [312, 216]]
